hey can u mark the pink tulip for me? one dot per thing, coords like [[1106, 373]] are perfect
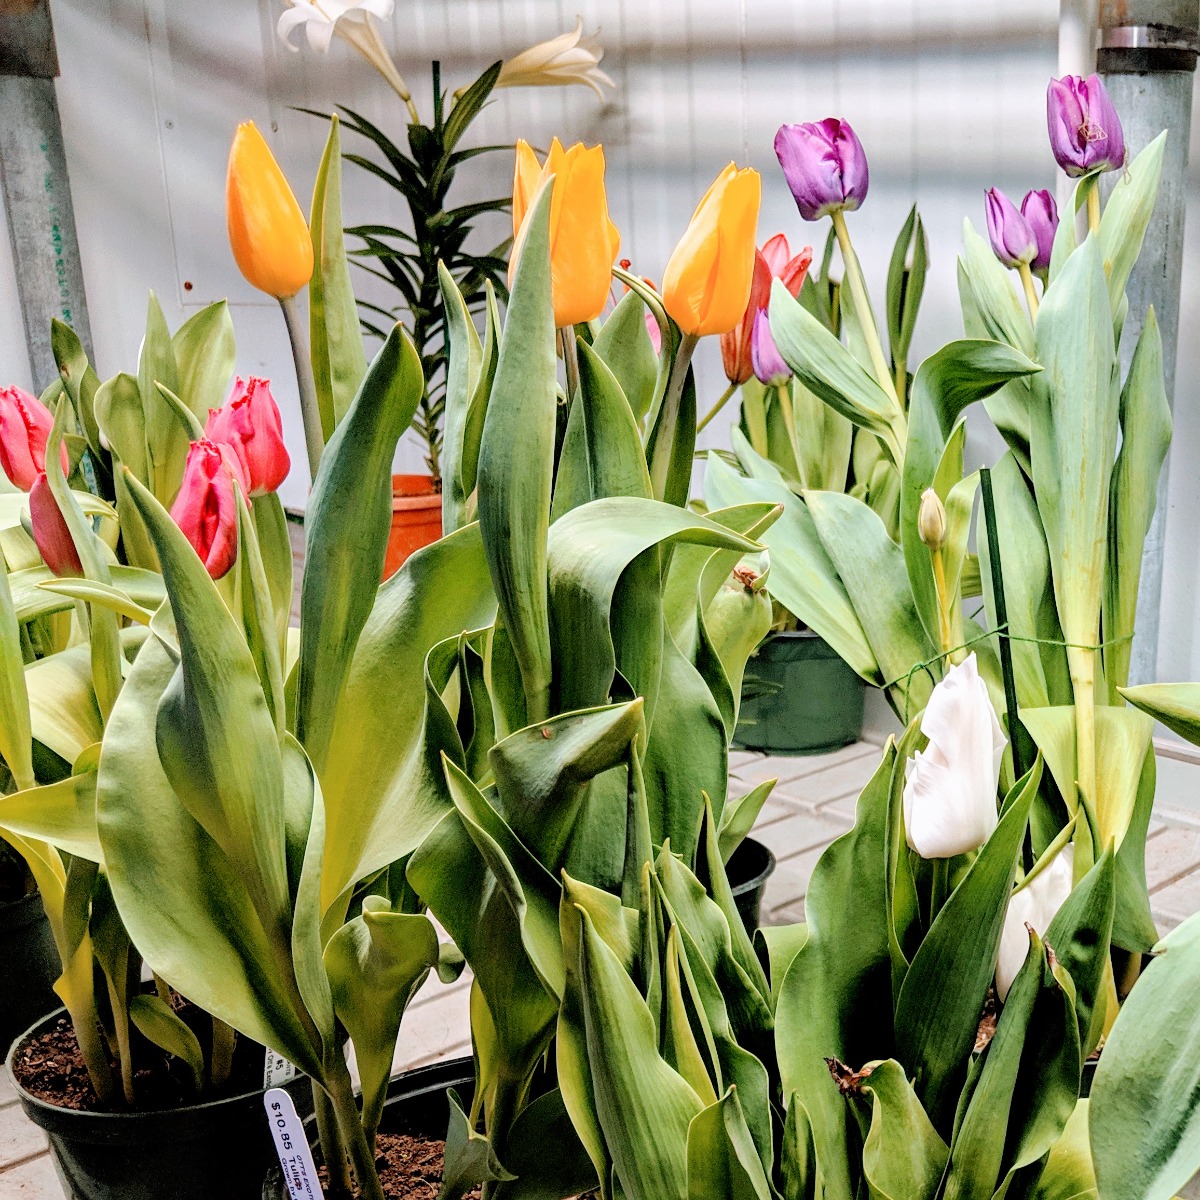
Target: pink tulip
[[249, 424], [206, 508], [25, 424], [50, 532]]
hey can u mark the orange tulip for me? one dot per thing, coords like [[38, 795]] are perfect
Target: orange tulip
[[706, 286], [267, 230], [583, 241]]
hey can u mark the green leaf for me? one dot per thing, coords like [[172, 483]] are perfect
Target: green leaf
[[469, 1156], [205, 348], [338, 358], [616, 461], [895, 285], [545, 1154], [800, 1172], [516, 462], [157, 1021], [347, 525], [721, 1159], [739, 815], [1176, 705], [1126, 215], [903, 1156], [15, 731], [463, 371], [62, 814], [166, 438], [81, 383], [1069, 1174], [936, 1024], [624, 345], [1145, 1123]]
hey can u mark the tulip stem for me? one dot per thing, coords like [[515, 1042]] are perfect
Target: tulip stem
[[862, 304], [310, 408], [1093, 206], [901, 373], [716, 408], [661, 444], [569, 349], [1030, 292], [941, 887]]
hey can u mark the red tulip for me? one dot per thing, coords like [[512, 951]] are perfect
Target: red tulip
[[50, 532], [248, 423], [25, 424], [773, 261], [206, 509]]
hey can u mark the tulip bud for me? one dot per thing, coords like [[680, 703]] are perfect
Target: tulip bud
[[267, 230], [824, 165], [950, 787], [706, 285], [1040, 211], [25, 424], [931, 519], [249, 424], [1036, 905], [1085, 131], [583, 240], [769, 367], [50, 532], [1012, 239], [205, 508]]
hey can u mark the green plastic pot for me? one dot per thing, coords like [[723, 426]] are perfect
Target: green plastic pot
[[31, 963], [798, 697]]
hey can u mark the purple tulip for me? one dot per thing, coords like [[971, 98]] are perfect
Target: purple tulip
[[1012, 239], [1085, 131], [768, 363], [1041, 214], [824, 164]]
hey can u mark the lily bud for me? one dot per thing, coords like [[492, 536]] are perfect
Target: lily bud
[[267, 230], [1040, 211], [706, 286], [769, 367], [583, 240], [25, 424], [824, 165], [1035, 905], [950, 787], [569, 58], [50, 532], [249, 424], [1012, 239], [773, 261], [1085, 131], [931, 519], [205, 508]]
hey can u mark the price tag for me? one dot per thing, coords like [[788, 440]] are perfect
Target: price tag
[[295, 1157], [277, 1070]]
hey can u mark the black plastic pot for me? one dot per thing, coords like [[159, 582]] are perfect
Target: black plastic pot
[[31, 966], [798, 697], [221, 1148], [416, 1104], [749, 868]]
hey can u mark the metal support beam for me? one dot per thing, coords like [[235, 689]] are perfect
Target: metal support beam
[[1147, 57], [33, 177]]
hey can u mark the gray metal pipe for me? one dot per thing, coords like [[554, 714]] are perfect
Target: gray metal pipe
[[1147, 57], [37, 192]]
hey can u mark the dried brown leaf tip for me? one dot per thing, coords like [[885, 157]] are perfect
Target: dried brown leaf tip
[[987, 1022], [746, 577], [849, 1081]]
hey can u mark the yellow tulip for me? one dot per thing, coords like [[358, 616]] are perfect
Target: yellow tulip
[[583, 241], [706, 285], [267, 230]]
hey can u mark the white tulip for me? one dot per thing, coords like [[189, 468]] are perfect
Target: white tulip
[[1035, 904], [351, 20], [950, 787], [566, 59]]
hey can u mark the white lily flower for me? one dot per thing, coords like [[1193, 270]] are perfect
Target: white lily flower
[[351, 20], [950, 787], [1035, 904], [569, 58]]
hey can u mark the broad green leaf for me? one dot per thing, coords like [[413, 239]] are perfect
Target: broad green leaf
[[721, 1159], [469, 1156], [801, 1174], [347, 525], [624, 345], [14, 703], [338, 358], [477, 409], [157, 1021], [1176, 705], [671, 445], [80, 382], [616, 462], [463, 370], [545, 1155], [1069, 1174], [739, 815], [1145, 1124], [166, 436], [1126, 215], [376, 962], [835, 1000], [103, 594], [831, 372], [516, 462], [903, 1156], [936, 1024], [205, 349], [37, 592], [62, 814], [995, 296], [271, 529]]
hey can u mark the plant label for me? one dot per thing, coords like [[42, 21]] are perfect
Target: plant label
[[291, 1144], [277, 1070]]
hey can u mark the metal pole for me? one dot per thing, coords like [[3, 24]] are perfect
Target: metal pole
[[1147, 56], [33, 177]]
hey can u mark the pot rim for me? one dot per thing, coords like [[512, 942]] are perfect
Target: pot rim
[[757, 881]]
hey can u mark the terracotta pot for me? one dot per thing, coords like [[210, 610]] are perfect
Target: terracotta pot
[[416, 519]]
